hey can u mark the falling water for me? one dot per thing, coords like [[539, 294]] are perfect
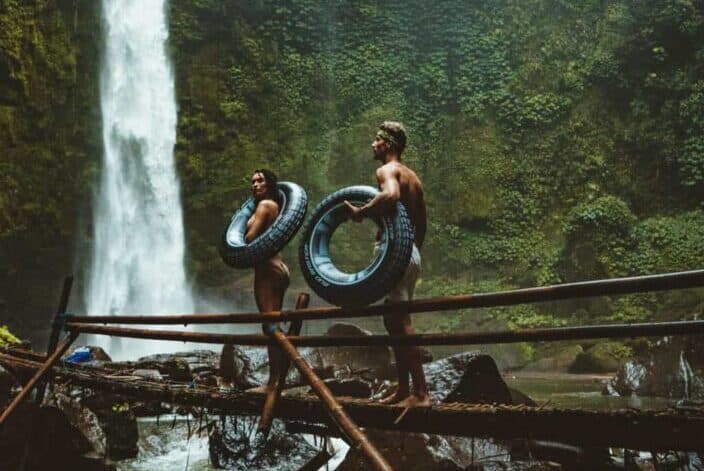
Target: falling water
[[687, 374], [138, 252]]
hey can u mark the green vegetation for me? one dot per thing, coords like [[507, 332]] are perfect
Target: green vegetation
[[6, 337], [557, 140]]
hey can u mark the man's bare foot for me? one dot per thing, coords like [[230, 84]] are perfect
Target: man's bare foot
[[395, 398], [224, 383], [415, 401]]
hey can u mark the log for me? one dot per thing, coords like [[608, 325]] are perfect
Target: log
[[650, 430]]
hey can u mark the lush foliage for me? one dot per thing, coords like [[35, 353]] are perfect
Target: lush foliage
[[557, 140]]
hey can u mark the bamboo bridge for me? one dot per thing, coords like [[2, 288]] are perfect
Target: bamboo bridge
[[652, 430]]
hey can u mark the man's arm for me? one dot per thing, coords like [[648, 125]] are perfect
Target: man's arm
[[264, 215], [390, 193]]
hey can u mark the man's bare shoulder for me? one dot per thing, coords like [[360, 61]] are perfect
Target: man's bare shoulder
[[389, 170]]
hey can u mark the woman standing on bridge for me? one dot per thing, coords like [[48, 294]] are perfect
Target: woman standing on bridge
[[271, 276]]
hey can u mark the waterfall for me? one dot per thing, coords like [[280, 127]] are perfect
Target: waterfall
[[137, 263], [687, 375]]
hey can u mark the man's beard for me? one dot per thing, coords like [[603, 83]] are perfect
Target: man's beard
[[381, 156]]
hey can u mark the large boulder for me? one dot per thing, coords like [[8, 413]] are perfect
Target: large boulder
[[466, 377], [664, 371], [604, 357], [43, 438], [376, 360], [103, 418], [559, 362], [423, 452]]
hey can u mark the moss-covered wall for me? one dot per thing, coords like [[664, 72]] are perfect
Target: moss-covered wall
[[49, 148]]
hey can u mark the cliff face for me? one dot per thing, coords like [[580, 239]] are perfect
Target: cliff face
[[556, 140], [50, 141]]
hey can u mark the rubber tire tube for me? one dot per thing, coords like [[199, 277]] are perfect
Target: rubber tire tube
[[233, 249], [374, 281]]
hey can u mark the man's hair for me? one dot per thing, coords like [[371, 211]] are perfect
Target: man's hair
[[398, 134], [271, 183]]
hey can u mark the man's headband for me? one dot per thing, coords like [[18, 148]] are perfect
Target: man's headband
[[387, 137]]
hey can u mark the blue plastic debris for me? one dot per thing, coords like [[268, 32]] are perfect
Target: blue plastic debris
[[80, 355]]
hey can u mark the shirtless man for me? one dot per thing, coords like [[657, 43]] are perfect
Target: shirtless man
[[399, 183], [271, 277]]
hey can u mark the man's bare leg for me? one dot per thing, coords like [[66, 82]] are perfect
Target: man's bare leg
[[412, 355], [394, 327]]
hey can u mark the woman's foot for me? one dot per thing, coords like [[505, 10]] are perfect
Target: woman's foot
[[395, 398]]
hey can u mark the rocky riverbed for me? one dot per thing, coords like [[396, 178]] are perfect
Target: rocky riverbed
[[107, 431]]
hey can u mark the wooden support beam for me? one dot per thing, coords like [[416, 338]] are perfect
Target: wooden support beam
[[649, 430], [57, 326], [463, 338], [583, 289], [349, 429], [272, 397], [44, 369]]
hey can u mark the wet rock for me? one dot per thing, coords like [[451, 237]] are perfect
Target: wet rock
[[664, 371], [233, 445], [604, 357], [421, 452], [83, 419], [44, 438], [375, 359], [115, 418], [352, 387], [466, 377], [259, 361], [180, 366], [234, 367], [559, 362]]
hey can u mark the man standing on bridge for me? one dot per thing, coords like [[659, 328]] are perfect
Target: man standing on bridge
[[399, 183]]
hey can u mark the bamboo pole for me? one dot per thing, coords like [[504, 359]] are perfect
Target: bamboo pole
[[46, 367], [56, 328], [648, 329], [349, 429], [614, 286], [273, 396]]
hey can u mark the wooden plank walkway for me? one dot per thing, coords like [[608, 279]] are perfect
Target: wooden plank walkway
[[652, 430]]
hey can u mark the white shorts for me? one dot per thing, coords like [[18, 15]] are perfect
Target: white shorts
[[403, 291]]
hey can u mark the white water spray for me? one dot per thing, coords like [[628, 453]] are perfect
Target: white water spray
[[138, 252]]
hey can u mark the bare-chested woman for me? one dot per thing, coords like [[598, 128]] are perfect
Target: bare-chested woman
[[271, 277]]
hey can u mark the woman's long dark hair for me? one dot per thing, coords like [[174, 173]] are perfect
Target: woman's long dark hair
[[271, 183]]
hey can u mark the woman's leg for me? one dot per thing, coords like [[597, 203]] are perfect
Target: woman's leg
[[269, 288]]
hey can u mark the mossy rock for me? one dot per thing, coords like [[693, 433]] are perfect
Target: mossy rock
[[604, 357], [558, 362]]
